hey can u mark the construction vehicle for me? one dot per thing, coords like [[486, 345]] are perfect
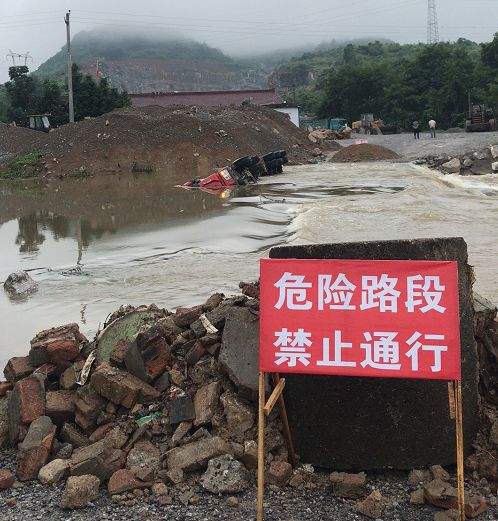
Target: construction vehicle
[[481, 119], [39, 122], [243, 171]]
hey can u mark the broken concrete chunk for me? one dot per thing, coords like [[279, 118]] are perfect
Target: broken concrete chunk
[[417, 497], [196, 455], [186, 316], [452, 166], [144, 455], [58, 345], [279, 473], [20, 283], [181, 409], [372, 506], [71, 434], [225, 475], [121, 387], [240, 416], [418, 476], [440, 494], [250, 455], [350, 486], [96, 459], [79, 491], [53, 472], [439, 473], [35, 449], [206, 401], [17, 368], [239, 349]]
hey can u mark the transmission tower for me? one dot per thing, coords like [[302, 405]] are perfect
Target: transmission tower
[[432, 24], [15, 56]]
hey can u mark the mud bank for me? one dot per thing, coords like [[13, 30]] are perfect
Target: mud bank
[[153, 139]]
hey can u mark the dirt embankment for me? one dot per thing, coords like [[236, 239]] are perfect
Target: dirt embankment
[[363, 152], [194, 139]]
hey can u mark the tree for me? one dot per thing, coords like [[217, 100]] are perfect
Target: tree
[[489, 53]]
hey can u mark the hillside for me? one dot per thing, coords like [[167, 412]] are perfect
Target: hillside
[[154, 62]]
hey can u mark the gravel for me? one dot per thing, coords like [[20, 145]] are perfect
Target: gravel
[[35, 501]]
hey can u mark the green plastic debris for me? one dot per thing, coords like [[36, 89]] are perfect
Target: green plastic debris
[[144, 420]]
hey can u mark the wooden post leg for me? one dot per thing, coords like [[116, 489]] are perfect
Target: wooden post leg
[[285, 423], [460, 449], [261, 448]]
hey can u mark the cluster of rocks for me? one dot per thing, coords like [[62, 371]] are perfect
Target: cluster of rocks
[[480, 162], [161, 407], [156, 400]]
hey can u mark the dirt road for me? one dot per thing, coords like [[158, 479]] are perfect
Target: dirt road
[[445, 143]]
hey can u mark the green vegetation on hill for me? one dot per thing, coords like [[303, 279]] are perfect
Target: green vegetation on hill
[[98, 44], [397, 83]]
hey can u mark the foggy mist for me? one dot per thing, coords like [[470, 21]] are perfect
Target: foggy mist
[[238, 28]]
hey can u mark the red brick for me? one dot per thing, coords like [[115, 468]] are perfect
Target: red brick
[[60, 406], [31, 399], [59, 345], [18, 367]]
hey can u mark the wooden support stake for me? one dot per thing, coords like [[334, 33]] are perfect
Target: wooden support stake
[[261, 448], [285, 422], [457, 385], [451, 400], [275, 395]]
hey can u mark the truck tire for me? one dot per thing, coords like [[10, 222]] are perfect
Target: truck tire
[[245, 162]]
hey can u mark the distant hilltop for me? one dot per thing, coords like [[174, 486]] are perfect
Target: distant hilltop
[[155, 62]]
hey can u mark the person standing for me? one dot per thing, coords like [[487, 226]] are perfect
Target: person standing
[[416, 129], [432, 127]]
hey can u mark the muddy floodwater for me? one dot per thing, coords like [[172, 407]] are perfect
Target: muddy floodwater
[[95, 244]]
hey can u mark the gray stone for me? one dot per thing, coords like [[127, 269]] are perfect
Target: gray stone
[[79, 491], [240, 417], [494, 151], [35, 449], [206, 401], [494, 166], [20, 283], [54, 472], [181, 409], [452, 166], [336, 422], [239, 349], [144, 455], [372, 506], [196, 455], [225, 475]]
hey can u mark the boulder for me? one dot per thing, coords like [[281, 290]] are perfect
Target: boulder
[[452, 166], [58, 345], [494, 166], [240, 417], [239, 349], [206, 401], [123, 480], [35, 449], [79, 491], [494, 151], [18, 367], [351, 486], [196, 455], [225, 475], [20, 283], [26, 403], [340, 422], [121, 387], [53, 472], [372, 506]]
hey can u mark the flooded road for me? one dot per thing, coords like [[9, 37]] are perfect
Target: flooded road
[[95, 244]]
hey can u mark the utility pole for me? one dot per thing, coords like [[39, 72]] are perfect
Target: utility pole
[[432, 23], [69, 68]]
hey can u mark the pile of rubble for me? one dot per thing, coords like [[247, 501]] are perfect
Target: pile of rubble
[[162, 401], [479, 162], [321, 134]]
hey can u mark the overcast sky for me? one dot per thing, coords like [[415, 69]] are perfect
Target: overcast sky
[[240, 26]]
